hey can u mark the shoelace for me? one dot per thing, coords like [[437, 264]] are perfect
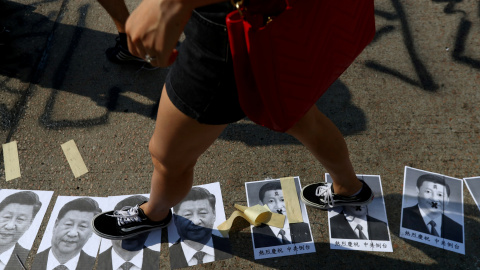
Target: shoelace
[[127, 215], [325, 191]]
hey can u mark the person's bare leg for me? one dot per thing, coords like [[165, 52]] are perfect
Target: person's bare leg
[[118, 12], [327, 144], [176, 144]]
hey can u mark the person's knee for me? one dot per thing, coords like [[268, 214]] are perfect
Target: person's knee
[[175, 162]]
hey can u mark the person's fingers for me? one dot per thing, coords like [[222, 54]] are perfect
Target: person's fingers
[[135, 46], [152, 59], [139, 50], [148, 36]]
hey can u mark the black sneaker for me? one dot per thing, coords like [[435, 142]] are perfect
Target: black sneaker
[[321, 195], [120, 55], [126, 223]]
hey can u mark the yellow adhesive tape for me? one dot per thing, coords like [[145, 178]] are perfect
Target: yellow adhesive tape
[[225, 227], [10, 159], [255, 215], [294, 213], [276, 220], [74, 158]]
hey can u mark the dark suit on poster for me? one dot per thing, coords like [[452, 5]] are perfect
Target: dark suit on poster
[[221, 245], [413, 220], [340, 228], [13, 263], [84, 262], [263, 235], [151, 259]]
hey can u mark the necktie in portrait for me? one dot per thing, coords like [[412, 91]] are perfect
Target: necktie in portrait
[[284, 238], [433, 231], [360, 232], [199, 256], [126, 266]]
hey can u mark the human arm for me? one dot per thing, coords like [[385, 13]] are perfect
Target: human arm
[[156, 25]]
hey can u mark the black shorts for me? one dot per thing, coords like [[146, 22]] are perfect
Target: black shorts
[[201, 83]]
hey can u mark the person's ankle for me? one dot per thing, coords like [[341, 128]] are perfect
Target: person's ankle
[[154, 215], [348, 191], [123, 40]]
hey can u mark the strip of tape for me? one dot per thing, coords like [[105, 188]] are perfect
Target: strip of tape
[[276, 219], [74, 158], [10, 158], [255, 215], [294, 213]]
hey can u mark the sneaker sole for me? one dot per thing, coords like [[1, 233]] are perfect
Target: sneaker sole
[[327, 207]]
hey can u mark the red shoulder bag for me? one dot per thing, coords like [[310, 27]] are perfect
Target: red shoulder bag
[[287, 53]]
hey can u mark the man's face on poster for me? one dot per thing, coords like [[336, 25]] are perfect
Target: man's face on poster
[[356, 211], [71, 232], [432, 197], [133, 244], [194, 220], [15, 219], [275, 202]]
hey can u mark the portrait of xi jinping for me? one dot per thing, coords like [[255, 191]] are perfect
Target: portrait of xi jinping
[[194, 219], [430, 214], [17, 212]]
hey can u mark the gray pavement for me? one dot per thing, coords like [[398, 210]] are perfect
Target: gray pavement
[[411, 98]]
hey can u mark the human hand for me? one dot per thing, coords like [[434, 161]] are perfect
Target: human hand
[[153, 30]]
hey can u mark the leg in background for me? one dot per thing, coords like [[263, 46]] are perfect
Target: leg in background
[[327, 144], [118, 12]]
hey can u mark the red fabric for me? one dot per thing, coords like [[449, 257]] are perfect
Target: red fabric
[[283, 68]]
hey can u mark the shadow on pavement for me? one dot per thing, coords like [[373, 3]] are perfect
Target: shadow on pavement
[[43, 52], [335, 104], [70, 59]]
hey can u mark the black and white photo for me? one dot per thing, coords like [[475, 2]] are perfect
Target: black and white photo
[[361, 227], [68, 241], [192, 235], [473, 185], [140, 252], [21, 213], [268, 240], [432, 209]]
